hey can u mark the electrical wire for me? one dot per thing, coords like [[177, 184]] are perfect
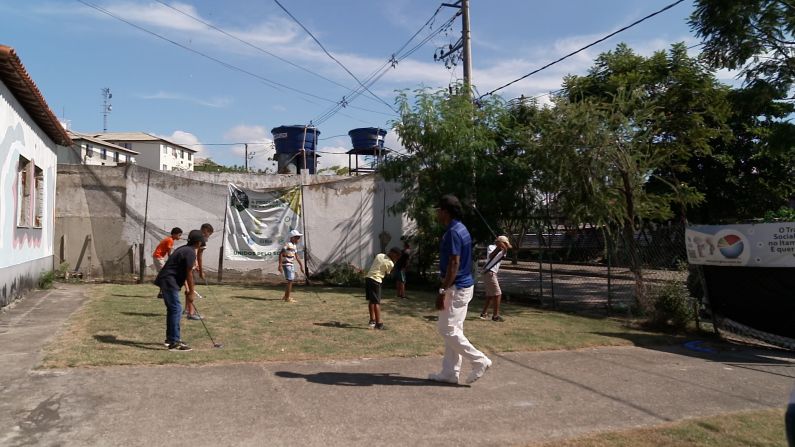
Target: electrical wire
[[583, 48], [256, 47], [332, 56], [271, 83]]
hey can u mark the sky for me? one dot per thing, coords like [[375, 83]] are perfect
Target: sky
[[227, 72]]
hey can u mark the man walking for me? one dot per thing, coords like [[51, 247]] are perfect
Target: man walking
[[455, 269]]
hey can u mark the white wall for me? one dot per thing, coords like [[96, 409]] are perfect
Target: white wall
[[157, 154], [19, 247]]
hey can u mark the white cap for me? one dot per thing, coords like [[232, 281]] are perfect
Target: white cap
[[294, 233]]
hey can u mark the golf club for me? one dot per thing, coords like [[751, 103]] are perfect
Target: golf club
[[215, 345], [206, 284]]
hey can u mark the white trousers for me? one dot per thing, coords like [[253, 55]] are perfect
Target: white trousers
[[451, 328]]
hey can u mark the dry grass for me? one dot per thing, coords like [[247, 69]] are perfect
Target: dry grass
[[762, 428], [125, 325]]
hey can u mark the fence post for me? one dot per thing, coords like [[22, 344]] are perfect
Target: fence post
[[609, 275]]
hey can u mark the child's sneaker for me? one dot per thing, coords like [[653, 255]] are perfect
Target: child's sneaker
[[497, 318], [484, 316], [380, 326], [195, 316], [371, 324]]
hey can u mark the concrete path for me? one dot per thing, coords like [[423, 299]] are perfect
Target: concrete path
[[524, 398]]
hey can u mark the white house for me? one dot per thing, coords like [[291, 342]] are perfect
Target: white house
[[29, 138], [88, 150], [153, 152]]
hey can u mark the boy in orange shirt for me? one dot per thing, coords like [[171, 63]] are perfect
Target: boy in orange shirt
[[165, 247]]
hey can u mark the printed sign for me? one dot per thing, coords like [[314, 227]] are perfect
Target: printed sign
[[761, 245], [258, 222]]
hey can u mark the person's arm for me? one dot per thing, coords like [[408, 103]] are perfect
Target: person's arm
[[300, 264], [449, 279], [281, 255], [199, 262], [191, 283]]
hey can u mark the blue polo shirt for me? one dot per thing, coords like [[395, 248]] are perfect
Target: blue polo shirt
[[456, 241]]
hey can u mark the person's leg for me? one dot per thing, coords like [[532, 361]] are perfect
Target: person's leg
[[377, 313], [452, 325], [289, 275], [189, 305], [173, 315], [371, 308], [497, 299], [486, 308], [789, 425]]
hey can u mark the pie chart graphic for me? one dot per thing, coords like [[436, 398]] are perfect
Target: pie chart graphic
[[731, 246]]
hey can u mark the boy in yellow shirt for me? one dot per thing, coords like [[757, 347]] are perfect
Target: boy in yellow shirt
[[381, 266]]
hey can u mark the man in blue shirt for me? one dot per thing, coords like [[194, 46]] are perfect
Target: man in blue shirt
[[455, 269]]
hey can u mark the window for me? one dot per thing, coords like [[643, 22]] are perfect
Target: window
[[38, 199], [165, 149], [190, 156], [23, 192], [116, 157], [103, 153], [181, 154], [89, 152], [174, 152], [165, 168]]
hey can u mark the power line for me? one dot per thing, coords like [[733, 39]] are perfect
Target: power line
[[584, 48], [256, 47], [332, 56], [392, 62], [271, 83]]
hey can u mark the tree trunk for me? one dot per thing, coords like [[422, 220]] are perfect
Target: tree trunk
[[630, 243]]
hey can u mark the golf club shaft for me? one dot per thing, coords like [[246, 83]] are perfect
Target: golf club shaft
[[215, 345], [207, 285]]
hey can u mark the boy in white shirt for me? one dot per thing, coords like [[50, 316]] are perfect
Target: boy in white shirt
[[287, 259], [494, 255]]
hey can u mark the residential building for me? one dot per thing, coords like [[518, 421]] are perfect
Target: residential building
[[29, 138], [153, 152], [88, 150]]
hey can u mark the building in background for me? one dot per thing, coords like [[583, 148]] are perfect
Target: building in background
[[29, 138], [88, 150], [153, 152]]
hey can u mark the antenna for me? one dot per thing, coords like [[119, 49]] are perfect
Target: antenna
[[106, 107]]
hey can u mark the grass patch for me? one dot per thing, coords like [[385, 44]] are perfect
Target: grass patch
[[125, 325], [761, 428]]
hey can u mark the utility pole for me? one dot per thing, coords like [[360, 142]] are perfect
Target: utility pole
[[464, 45], [246, 163], [466, 39]]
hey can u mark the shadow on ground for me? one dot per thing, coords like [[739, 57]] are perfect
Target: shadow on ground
[[361, 379]]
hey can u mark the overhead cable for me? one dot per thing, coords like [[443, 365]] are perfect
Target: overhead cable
[[583, 48]]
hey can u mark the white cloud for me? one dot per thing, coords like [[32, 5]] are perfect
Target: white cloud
[[260, 146], [217, 102], [332, 156], [187, 139]]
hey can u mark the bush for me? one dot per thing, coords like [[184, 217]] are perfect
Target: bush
[[46, 279], [672, 306], [342, 274]]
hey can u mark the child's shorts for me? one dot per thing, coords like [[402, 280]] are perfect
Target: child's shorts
[[491, 284], [372, 291], [289, 272]]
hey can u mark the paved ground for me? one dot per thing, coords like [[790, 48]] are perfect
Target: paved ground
[[526, 397]]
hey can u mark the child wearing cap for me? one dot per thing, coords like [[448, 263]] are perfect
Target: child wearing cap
[[494, 255], [287, 259], [381, 266]]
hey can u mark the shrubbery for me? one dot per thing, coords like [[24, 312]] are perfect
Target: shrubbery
[[673, 305], [342, 274]]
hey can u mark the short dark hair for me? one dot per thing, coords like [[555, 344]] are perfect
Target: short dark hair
[[176, 230], [195, 237], [451, 204], [208, 227]]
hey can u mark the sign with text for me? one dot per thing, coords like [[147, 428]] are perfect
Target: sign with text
[[759, 245], [258, 222]]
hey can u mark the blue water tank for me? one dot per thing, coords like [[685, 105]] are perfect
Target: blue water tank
[[289, 140], [367, 138]]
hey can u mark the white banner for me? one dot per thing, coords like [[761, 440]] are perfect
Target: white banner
[[760, 245], [258, 222]]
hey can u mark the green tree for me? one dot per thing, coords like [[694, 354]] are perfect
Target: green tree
[[755, 36]]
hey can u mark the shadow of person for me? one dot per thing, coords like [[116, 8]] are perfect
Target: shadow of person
[[339, 324], [111, 339], [361, 379]]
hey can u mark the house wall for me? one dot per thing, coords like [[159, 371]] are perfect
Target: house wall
[[156, 154], [24, 252], [79, 154], [101, 213]]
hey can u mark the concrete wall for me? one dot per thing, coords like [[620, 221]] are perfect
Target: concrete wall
[[24, 252], [102, 212]]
